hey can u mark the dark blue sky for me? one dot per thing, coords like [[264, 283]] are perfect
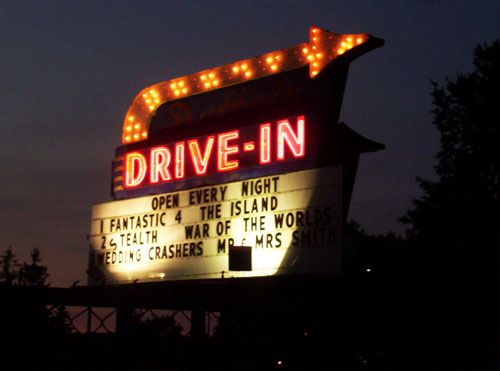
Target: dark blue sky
[[69, 70]]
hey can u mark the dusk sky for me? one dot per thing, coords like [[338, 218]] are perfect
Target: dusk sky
[[70, 69]]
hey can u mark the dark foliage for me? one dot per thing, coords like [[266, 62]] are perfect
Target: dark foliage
[[455, 222], [33, 274], [9, 267]]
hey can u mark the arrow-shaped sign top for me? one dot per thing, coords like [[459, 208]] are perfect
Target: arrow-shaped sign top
[[322, 48]]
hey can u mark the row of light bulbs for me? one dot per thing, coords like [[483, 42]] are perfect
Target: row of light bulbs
[[321, 49]]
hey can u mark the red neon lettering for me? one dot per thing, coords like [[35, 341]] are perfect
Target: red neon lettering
[[224, 150], [160, 161], [179, 160], [135, 169], [296, 141], [265, 143], [200, 162]]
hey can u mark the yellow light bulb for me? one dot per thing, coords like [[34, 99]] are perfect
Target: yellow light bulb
[[340, 51], [131, 118], [248, 74], [184, 90], [215, 82], [127, 138], [144, 134], [244, 66], [269, 60], [203, 77], [319, 55], [137, 126], [236, 69], [136, 136], [211, 75], [359, 40], [181, 83], [173, 85], [129, 128], [274, 67], [310, 57], [349, 39], [305, 50]]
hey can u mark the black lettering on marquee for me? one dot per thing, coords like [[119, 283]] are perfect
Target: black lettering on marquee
[[223, 243], [197, 231]]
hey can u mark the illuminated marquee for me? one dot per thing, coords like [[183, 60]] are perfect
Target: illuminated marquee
[[292, 223], [246, 157], [277, 141]]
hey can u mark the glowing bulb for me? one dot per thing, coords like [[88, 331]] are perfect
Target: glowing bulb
[[184, 90], [310, 57], [131, 118], [359, 40], [269, 60], [207, 84], [211, 75], [305, 50], [215, 82], [181, 84], [236, 69], [177, 93], [349, 39], [203, 77], [244, 66], [144, 134], [136, 136], [248, 74], [319, 55], [314, 73], [127, 138], [129, 128], [340, 51], [274, 67], [137, 126]]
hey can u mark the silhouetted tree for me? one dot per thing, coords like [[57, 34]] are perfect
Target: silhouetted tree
[[9, 267], [33, 274], [366, 253], [454, 227], [456, 221]]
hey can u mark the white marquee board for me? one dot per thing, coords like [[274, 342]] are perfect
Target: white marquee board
[[292, 222]]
